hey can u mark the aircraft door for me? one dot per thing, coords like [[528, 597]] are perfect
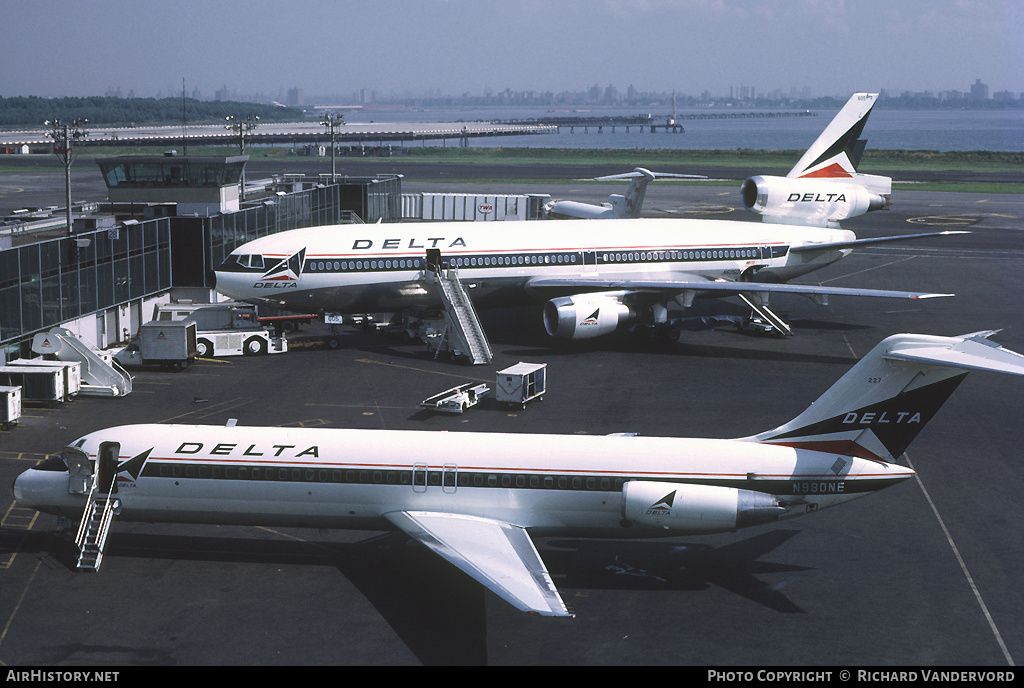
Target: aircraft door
[[446, 478], [419, 477], [450, 478], [80, 475], [587, 260], [110, 456]]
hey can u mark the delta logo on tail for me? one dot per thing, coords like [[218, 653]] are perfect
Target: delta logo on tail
[[844, 155], [869, 432], [662, 507], [833, 171]]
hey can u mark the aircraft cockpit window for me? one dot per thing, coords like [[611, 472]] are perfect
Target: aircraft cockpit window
[[249, 261], [54, 463]]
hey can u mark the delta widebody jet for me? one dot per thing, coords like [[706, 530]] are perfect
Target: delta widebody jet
[[594, 277], [479, 499]]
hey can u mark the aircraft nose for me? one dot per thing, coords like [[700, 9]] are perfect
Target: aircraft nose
[[16, 490]]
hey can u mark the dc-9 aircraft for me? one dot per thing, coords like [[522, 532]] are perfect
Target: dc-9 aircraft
[[618, 205], [478, 499], [594, 277]]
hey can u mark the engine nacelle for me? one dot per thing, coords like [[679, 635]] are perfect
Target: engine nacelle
[[816, 201], [690, 508], [584, 316]]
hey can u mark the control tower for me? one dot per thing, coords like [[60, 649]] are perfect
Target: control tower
[[199, 185]]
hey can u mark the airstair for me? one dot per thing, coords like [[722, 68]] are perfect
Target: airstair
[[100, 377], [92, 533], [768, 315], [462, 326]]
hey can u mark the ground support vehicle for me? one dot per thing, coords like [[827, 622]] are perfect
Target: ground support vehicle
[[457, 399]]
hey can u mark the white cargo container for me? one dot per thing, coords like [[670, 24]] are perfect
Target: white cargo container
[[521, 383], [37, 383], [72, 372], [10, 406]]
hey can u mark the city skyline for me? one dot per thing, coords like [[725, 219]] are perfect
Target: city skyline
[[295, 96], [452, 47]]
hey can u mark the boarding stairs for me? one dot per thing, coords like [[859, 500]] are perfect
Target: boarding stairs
[[768, 314], [462, 326], [99, 513], [99, 377]]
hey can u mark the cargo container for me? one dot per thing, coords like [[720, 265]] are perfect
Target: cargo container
[[10, 406]]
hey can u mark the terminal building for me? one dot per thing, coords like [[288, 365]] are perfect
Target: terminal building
[[168, 222]]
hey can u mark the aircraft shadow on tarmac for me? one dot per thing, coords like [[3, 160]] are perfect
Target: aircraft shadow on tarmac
[[527, 345], [436, 610]]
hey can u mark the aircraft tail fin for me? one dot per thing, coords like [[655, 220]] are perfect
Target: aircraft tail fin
[[630, 204], [880, 405], [837, 152]]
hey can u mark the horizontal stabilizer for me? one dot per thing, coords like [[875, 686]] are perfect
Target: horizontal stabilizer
[[877, 240], [499, 555], [969, 352]]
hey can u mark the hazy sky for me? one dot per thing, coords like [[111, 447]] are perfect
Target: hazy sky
[[69, 47]]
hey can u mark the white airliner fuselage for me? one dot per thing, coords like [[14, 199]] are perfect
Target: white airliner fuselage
[[551, 484], [368, 268], [477, 498]]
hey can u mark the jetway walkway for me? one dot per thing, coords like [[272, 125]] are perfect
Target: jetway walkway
[[100, 376]]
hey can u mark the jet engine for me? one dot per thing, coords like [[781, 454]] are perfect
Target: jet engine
[[696, 508], [584, 316], [814, 201]]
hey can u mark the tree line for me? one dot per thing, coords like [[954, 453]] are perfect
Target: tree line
[[103, 110]]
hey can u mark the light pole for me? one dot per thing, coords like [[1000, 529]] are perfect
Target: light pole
[[332, 122], [64, 135], [241, 127]]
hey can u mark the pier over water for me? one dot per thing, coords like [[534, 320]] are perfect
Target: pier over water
[[651, 123]]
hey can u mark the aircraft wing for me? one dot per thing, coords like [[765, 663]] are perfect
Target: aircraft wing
[[861, 242], [724, 287], [499, 555]]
